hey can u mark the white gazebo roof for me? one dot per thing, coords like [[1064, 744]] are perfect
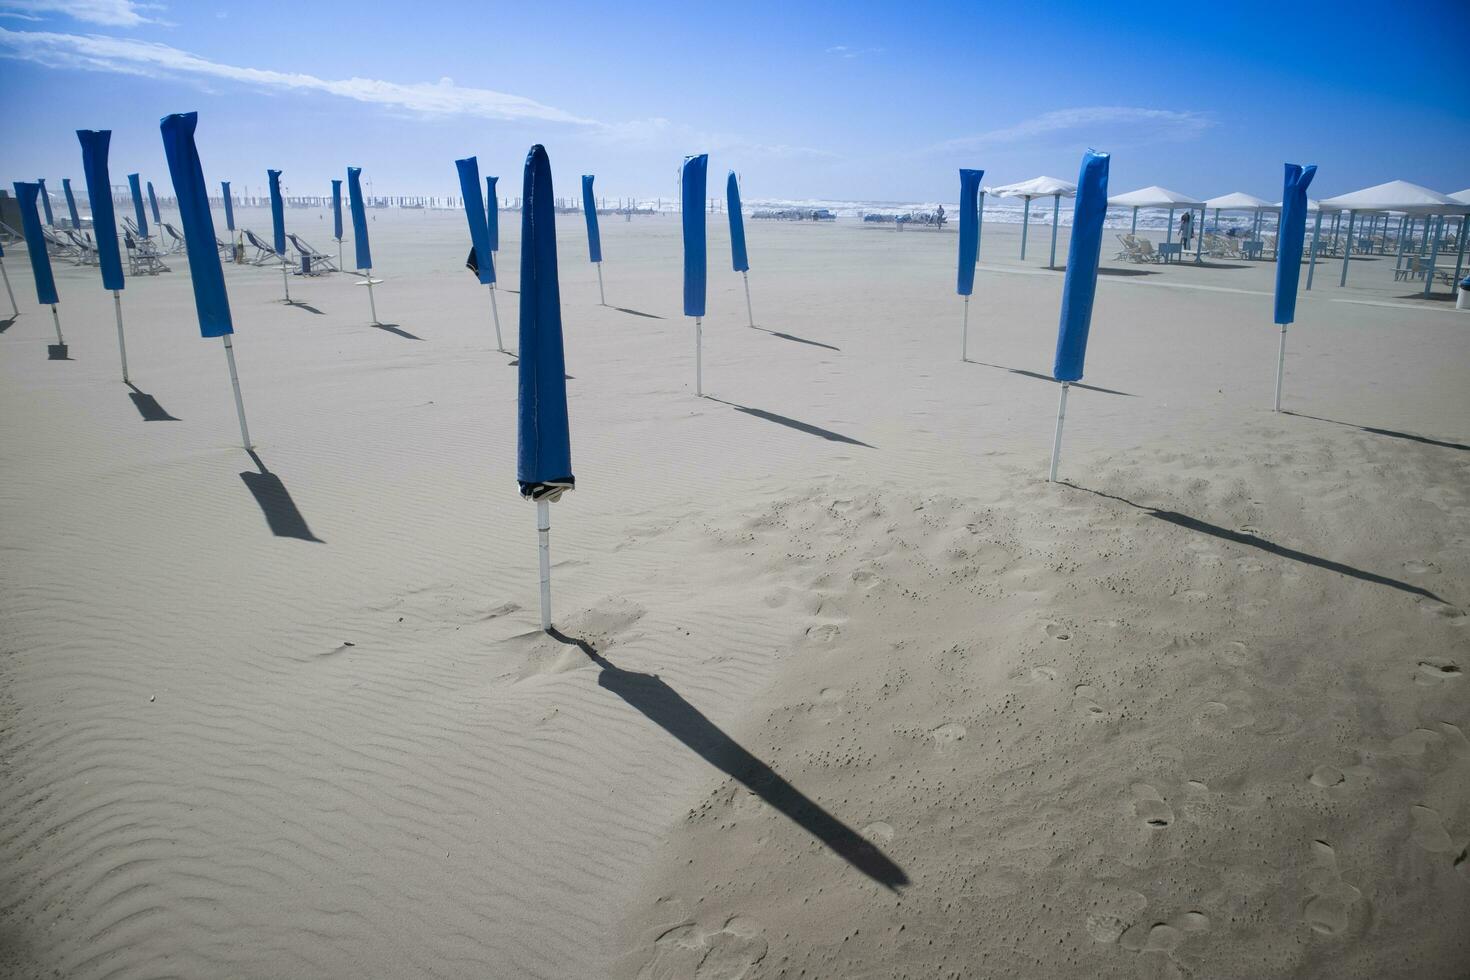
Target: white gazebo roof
[[1462, 196], [1154, 197], [1398, 195], [1036, 187], [1240, 202]]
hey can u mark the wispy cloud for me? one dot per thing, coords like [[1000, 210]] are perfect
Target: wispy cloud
[[682, 138], [94, 52], [108, 13], [1094, 123], [847, 51]]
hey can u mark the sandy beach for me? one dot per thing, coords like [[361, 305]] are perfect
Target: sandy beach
[[842, 686]]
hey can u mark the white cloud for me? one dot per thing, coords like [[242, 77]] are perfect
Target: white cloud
[[1096, 124], [847, 51], [108, 13], [94, 52]]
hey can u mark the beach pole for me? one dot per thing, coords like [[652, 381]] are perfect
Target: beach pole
[[749, 315], [1347, 248], [1056, 445], [601, 296], [1199, 239], [122, 347], [339, 253], [1056, 206], [1025, 222], [1433, 254], [543, 534], [1280, 368], [1133, 229], [56, 318], [14, 310], [372, 305], [495, 312], [239, 402], [965, 334], [699, 356], [1398, 262], [1312, 259], [1460, 258], [285, 279]]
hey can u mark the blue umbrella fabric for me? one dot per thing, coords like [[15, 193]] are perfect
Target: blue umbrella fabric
[[224, 187], [278, 212], [95, 145], [26, 192], [337, 210], [474, 213], [46, 202], [589, 209], [71, 203], [692, 187], [153, 203], [738, 258], [492, 213], [969, 230], [1291, 233], [359, 219], [138, 214]]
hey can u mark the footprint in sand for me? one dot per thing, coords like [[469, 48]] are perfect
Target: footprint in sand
[[1327, 777], [1058, 632], [1416, 567], [1332, 899], [1436, 670], [1429, 832], [825, 633], [878, 832], [729, 953], [946, 735], [1083, 695], [1230, 712], [1150, 807]]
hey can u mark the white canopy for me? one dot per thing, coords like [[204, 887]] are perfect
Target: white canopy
[[1462, 196], [1036, 187], [1154, 197], [1398, 195], [1240, 202]]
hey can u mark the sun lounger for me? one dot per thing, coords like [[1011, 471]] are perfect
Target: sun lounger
[[8, 235], [143, 258], [60, 247], [314, 263], [131, 227], [85, 248], [264, 254], [176, 243]]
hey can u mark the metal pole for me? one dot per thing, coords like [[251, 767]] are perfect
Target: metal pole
[[285, 279], [965, 335], [699, 356], [495, 312], [372, 304], [339, 253], [1280, 367], [1056, 207], [1347, 248], [749, 314], [1025, 221], [1460, 258], [56, 318], [1133, 229], [1056, 445], [601, 296], [1169, 229], [14, 310], [1433, 255], [122, 347], [239, 402], [1312, 260], [543, 534], [1199, 239], [1398, 263]]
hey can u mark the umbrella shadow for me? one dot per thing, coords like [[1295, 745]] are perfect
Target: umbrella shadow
[[275, 502], [661, 704], [1269, 547], [148, 406], [396, 329], [297, 304], [624, 309], [790, 423], [1393, 433], [8, 322], [1432, 297], [1124, 273], [1046, 377], [796, 339], [57, 352]]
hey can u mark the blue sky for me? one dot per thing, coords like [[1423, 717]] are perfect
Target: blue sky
[[861, 101]]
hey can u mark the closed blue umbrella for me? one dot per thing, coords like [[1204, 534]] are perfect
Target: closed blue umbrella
[[46, 202], [30, 222], [738, 259], [104, 224], [71, 204], [692, 203], [337, 217], [278, 227], [211, 303], [594, 237], [492, 214], [1080, 287], [1291, 232], [138, 213], [360, 235], [153, 203], [474, 213], [543, 437], [969, 246], [229, 200]]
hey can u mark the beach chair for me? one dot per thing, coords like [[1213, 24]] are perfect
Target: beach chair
[[131, 227], [60, 247], [1130, 250], [226, 249], [143, 257], [85, 249], [1146, 251], [314, 263], [176, 240], [8, 235], [264, 254]]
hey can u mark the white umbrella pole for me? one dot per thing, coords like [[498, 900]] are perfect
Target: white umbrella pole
[[601, 296], [122, 347], [1398, 262], [239, 402], [1347, 248], [543, 534], [495, 311], [14, 310], [1025, 222], [339, 253], [1056, 207], [1199, 239], [749, 314], [699, 356], [1460, 258], [285, 279], [1133, 229], [1280, 367], [56, 318], [965, 336], [1312, 259], [1433, 254], [1056, 444]]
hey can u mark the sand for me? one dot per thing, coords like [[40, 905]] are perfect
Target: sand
[[843, 687]]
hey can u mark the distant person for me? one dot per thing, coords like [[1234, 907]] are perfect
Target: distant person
[[1186, 229]]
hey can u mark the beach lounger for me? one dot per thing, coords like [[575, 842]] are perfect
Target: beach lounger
[[316, 263], [85, 248], [143, 258], [60, 247], [131, 227], [8, 235], [264, 254], [1146, 251], [176, 243]]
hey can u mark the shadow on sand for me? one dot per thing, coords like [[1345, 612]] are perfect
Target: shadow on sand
[[297, 304], [790, 423], [624, 309], [396, 329], [796, 339], [1386, 432], [57, 352], [666, 708], [148, 406], [1271, 548], [7, 323], [276, 504], [1046, 377]]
